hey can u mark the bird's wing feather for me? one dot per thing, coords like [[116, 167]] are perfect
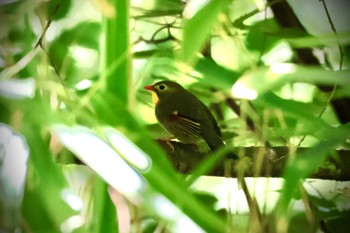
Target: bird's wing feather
[[189, 115], [185, 125], [199, 110]]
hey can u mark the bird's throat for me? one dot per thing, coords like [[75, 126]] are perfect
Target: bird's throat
[[155, 98]]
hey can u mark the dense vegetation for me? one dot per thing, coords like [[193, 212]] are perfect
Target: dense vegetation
[[77, 134]]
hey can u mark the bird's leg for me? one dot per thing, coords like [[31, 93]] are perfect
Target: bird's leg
[[172, 148], [168, 142]]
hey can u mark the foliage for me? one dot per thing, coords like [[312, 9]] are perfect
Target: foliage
[[71, 83]]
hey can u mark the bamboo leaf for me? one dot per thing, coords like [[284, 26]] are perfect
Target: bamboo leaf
[[198, 26]]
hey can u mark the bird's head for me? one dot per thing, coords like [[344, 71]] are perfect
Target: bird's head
[[162, 89]]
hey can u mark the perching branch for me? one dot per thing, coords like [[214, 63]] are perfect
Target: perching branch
[[186, 157]]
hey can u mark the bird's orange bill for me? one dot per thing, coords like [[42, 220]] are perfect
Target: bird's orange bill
[[150, 88], [155, 98], [185, 125]]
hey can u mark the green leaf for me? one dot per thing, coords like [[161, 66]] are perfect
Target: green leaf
[[266, 79], [301, 166], [85, 34], [302, 118], [165, 5], [56, 9], [298, 110], [83, 142], [320, 40], [215, 74], [45, 185], [104, 213], [116, 48], [198, 27], [258, 38]]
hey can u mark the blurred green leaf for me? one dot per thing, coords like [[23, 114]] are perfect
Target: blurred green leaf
[[116, 48], [56, 9], [168, 184], [197, 28], [298, 110], [85, 34], [320, 40], [239, 22], [168, 5], [5, 110], [45, 185], [267, 79], [299, 222], [106, 106], [215, 74], [104, 214], [301, 166], [339, 223], [258, 39], [300, 118]]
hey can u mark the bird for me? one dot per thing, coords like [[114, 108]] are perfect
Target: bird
[[184, 116]]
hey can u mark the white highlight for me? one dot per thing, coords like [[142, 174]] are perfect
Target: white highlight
[[282, 68], [73, 200], [240, 90], [72, 223], [18, 88], [97, 154], [170, 212], [14, 154], [128, 150], [85, 57], [280, 53], [84, 84], [193, 6]]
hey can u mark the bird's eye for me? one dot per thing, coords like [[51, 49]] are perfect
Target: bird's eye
[[162, 87]]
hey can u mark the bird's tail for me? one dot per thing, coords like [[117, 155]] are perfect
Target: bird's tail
[[215, 142]]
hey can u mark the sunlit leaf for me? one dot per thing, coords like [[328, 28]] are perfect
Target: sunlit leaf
[[116, 48], [86, 145], [198, 25], [266, 79], [86, 106], [320, 40]]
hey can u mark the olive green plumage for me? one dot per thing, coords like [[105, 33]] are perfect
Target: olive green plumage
[[183, 115]]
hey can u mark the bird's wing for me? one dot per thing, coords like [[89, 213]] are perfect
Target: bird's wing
[[185, 125], [200, 112]]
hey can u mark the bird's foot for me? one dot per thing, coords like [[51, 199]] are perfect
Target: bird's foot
[[168, 143], [172, 148]]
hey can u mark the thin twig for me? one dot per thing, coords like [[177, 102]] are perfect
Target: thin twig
[[310, 216], [336, 34], [252, 202], [39, 43]]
